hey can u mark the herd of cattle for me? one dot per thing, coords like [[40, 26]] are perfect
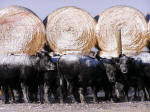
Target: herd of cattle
[[25, 78]]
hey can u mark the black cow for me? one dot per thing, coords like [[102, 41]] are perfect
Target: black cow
[[9, 77], [51, 85], [48, 78], [81, 72], [111, 72], [144, 59], [131, 75], [15, 69], [33, 76]]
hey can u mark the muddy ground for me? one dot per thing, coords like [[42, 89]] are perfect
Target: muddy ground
[[99, 107]]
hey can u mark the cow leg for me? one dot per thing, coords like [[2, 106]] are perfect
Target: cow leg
[[82, 99], [19, 93], [108, 92], [16, 95], [133, 94], [63, 92], [126, 88], [76, 94], [71, 93], [24, 93], [55, 93], [142, 95], [28, 94], [120, 89], [95, 94], [32, 93], [12, 96], [46, 93], [141, 90], [117, 93], [35, 94], [41, 87], [20, 97], [146, 93], [61, 95], [49, 94], [6, 94]]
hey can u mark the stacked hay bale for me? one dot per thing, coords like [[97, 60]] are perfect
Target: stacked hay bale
[[70, 30], [132, 27], [21, 31]]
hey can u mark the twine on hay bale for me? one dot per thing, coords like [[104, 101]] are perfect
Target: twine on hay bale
[[21, 31], [133, 28], [71, 30]]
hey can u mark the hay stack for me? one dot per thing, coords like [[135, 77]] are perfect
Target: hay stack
[[70, 30], [133, 28], [21, 31]]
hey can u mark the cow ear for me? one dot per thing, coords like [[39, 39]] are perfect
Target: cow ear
[[131, 59], [39, 55], [115, 60], [121, 55], [98, 57], [42, 54]]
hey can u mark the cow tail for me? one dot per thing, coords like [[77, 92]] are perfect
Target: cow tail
[[61, 78], [59, 71]]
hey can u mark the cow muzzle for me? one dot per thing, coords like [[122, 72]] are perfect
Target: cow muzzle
[[124, 70]]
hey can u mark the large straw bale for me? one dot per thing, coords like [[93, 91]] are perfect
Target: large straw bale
[[70, 30], [133, 28], [21, 31]]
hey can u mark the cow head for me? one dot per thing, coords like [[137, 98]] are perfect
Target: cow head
[[124, 63], [44, 62], [111, 73], [110, 69]]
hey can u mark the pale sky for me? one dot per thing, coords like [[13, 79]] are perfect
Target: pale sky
[[44, 7]]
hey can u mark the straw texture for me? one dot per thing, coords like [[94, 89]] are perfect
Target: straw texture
[[133, 28], [71, 30], [21, 31]]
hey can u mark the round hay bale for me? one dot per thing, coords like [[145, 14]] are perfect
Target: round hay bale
[[133, 28], [70, 30], [21, 31]]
